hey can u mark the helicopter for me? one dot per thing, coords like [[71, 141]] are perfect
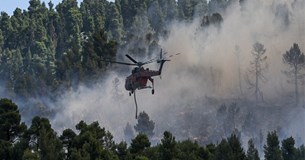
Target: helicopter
[[140, 75]]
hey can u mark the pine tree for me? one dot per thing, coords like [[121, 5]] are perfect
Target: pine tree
[[114, 22], [145, 125], [139, 144], [11, 128], [167, 148], [223, 151], [272, 148], [93, 142], [128, 133], [187, 149], [94, 15], [257, 68], [301, 153], [67, 138], [288, 149], [185, 9], [10, 121], [43, 139], [155, 16], [169, 9], [295, 60], [252, 153], [236, 148]]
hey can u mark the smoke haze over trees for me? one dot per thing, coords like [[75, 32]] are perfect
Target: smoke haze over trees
[[91, 141], [50, 65]]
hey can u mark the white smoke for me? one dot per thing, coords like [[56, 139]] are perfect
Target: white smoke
[[194, 84]]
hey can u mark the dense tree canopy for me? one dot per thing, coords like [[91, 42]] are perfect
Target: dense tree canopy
[[48, 46], [45, 49], [91, 141]]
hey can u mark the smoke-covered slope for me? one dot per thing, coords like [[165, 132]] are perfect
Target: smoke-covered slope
[[205, 76]]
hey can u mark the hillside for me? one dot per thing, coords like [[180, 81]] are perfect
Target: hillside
[[241, 68]]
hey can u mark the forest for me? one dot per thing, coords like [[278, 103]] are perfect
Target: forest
[[91, 141], [236, 91]]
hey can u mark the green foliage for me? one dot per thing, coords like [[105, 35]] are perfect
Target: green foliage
[[223, 151], [91, 141], [272, 148], [139, 144], [44, 49], [141, 158], [10, 126], [67, 138], [167, 148], [4, 149], [115, 22], [122, 151], [301, 152], [47, 48], [29, 155], [187, 150], [288, 149], [145, 125], [94, 15], [43, 139], [155, 15], [187, 9], [252, 153], [96, 48], [237, 150]]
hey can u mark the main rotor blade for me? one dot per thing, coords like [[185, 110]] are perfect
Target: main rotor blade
[[174, 54], [128, 56], [130, 64], [150, 61]]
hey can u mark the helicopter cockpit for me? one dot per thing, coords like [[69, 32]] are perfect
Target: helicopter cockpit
[[137, 69]]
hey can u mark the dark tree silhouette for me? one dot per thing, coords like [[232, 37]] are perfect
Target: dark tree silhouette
[[145, 125], [168, 146], [252, 153], [295, 60], [128, 133], [272, 147], [256, 71], [289, 152], [139, 144]]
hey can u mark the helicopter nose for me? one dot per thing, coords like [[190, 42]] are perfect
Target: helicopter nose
[[128, 85]]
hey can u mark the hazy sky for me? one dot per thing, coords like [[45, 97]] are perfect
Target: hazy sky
[[10, 5]]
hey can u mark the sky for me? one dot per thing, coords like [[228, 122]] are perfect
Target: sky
[[10, 5]]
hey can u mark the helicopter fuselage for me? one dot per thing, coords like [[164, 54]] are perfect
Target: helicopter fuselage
[[138, 79]]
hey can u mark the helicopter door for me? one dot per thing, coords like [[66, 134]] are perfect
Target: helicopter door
[[143, 82]]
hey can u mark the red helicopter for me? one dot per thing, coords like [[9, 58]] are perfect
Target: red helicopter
[[139, 76]]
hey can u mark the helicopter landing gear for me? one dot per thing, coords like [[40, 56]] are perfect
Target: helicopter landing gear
[[131, 92], [153, 86]]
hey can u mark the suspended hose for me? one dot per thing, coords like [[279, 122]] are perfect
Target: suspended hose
[[135, 100]]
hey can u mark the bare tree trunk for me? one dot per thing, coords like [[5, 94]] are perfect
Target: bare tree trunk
[[256, 82], [237, 52], [239, 77], [296, 85]]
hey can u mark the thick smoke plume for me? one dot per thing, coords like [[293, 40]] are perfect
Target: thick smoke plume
[[205, 76]]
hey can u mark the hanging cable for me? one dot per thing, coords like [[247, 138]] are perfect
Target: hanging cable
[[135, 100]]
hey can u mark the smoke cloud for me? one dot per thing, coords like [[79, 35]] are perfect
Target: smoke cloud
[[196, 83]]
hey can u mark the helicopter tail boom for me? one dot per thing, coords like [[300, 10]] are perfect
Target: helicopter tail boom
[[161, 65]]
